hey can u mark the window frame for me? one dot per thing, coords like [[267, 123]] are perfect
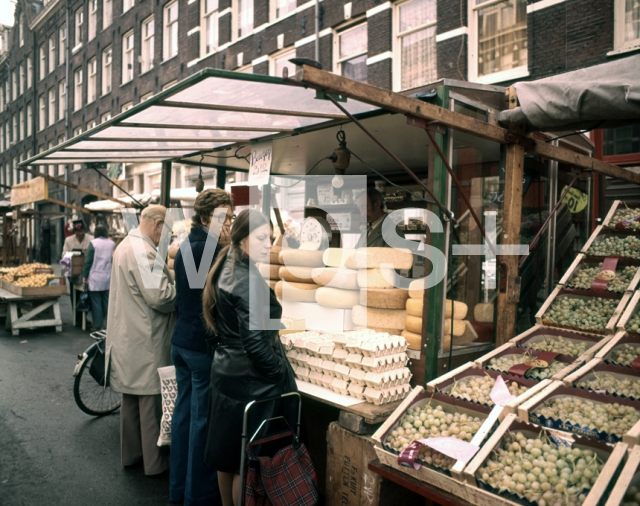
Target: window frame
[[14, 85], [337, 61], [62, 98], [29, 72], [619, 44], [92, 29], [167, 27], [147, 49], [205, 16], [22, 77], [107, 70], [92, 80], [127, 5], [107, 19], [62, 46], [291, 50], [235, 19], [42, 116], [52, 53], [43, 63], [128, 57], [79, 27], [52, 105], [29, 119], [77, 88], [273, 10], [21, 122]]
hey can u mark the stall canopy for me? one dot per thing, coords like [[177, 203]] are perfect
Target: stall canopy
[[602, 96]]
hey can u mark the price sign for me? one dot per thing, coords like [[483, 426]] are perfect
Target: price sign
[[260, 168], [575, 200]]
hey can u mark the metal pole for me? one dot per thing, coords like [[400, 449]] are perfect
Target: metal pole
[[318, 31], [165, 184], [221, 178]]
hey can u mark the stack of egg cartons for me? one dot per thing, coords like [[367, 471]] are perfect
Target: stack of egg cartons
[[296, 282], [382, 306], [339, 284]]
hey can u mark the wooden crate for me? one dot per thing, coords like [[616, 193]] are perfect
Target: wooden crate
[[561, 292], [598, 235], [616, 341], [39, 291], [598, 367], [526, 412], [632, 308], [613, 457], [628, 476], [582, 262]]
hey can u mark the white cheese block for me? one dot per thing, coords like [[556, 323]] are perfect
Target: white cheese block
[[303, 258], [336, 277], [416, 289], [483, 312], [414, 339], [378, 318], [269, 271], [300, 292], [386, 298], [339, 257], [335, 297], [369, 258], [413, 324], [296, 274], [373, 278]]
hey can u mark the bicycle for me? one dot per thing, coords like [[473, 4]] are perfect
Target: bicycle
[[91, 389]]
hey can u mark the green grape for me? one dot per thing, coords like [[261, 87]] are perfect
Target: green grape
[[506, 362], [633, 325], [616, 246], [592, 313], [627, 386], [478, 389], [585, 276], [559, 344], [626, 214], [624, 354], [631, 496]]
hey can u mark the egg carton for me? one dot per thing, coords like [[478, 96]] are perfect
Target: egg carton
[[303, 373], [321, 346], [341, 339], [292, 356], [326, 380], [384, 363], [386, 395], [357, 376], [339, 355], [354, 360], [301, 340], [387, 379], [315, 364], [341, 371], [328, 367], [315, 377], [302, 358], [340, 386], [384, 344], [356, 391]]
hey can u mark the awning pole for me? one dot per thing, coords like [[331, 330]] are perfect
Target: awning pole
[[221, 178], [165, 184]]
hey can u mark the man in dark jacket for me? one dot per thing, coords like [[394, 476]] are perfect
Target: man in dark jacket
[[191, 480]]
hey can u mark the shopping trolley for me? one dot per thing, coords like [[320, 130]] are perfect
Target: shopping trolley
[[282, 445]]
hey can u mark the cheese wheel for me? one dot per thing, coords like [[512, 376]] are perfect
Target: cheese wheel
[[273, 283], [269, 271], [379, 318], [391, 332], [413, 324], [446, 342], [274, 254], [414, 340], [370, 258], [388, 298], [299, 292], [303, 258], [336, 277], [416, 289], [459, 327], [468, 336], [173, 250], [335, 297], [483, 312], [414, 308], [296, 274], [170, 263], [373, 278], [339, 257]]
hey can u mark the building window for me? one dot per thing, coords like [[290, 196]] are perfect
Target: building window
[[146, 96], [127, 57], [210, 26], [106, 70], [281, 8], [52, 53], [79, 26], [22, 79], [62, 103], [42, 118], [417, 64], [29, 120], [500, 37], [627, 23], [14, 84], [21, 29], [29, 72], [21, 126], [91, 124], [93, 80], [16, 136], [52, 168], [77, 93], [146, 62], [52, 105], [170, 48], [61, 168], [105, 117], [107, 13], [43, 67], [352, 53], [169, 84], [62, 52], [126, 106], [244, 17], [280, 61], [93, 18], [126, 5], [621, 140]]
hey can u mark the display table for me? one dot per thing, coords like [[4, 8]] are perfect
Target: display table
[[34, 306]]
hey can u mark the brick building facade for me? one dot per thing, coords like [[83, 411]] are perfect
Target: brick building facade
[[72, 64]]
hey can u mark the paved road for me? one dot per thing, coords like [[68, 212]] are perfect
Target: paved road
[[51, 452]]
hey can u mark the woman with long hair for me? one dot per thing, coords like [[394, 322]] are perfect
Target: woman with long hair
[[249, 362], [97, 275]]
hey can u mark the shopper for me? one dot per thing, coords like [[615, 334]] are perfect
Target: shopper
[[97, 275], [249, 362], [139, 325], [191, 480], [78, 241]]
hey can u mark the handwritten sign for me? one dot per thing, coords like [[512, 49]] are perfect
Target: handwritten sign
[[260, 163]]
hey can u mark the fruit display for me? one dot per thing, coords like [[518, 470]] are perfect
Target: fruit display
[[559, 344], [633, 325], [626, 214], [34, 280], [538, 469], [616, 246], [506, 362], [592, 313], [626, 386], [624, 354], [613, 418], [478, 389], [632, 496], [585, 276]]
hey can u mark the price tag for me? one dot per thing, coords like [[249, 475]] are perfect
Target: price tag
[[606, 274], [575, 200], [449, 446], [260, 166]]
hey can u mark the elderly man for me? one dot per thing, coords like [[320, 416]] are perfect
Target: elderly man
[[78, 241], [139, 327], [371, 207]]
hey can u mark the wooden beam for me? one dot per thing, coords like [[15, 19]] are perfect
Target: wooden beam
[[74, 186], [70, 206], [395, 102], [162, 126], [244, 109]]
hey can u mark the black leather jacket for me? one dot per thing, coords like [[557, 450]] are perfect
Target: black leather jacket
[[249, 361]]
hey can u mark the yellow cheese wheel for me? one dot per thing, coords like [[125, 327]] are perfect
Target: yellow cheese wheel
[[459, 327], [414, 339], [483, 312], [335, 297], [370, 258], [274, 254], [303, 258], [374, 278], [389, 298], [416, 289], [391, 332], [468, 336], [299, 292], [339, 257], [413, 324], [414, 308], [269, 271], [446, 342], [173, 250], [296, 274], [378, 318], [336, 277]]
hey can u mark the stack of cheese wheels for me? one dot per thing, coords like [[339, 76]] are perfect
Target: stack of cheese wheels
[[338, 284], [171, 254], [296, 282], [454, 323], [271, 271], [382, 306]]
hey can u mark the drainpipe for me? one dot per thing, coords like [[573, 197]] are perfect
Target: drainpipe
[[317, 31], [67, 121]]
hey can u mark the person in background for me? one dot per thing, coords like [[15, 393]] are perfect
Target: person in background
[[79, 241], [191, 480], [371, 207], [139, 325], [249, 363], [97, 274]]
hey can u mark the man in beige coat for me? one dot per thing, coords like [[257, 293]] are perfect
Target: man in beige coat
[[139, 327]]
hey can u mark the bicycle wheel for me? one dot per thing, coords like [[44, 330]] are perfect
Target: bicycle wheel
[[90, 396]]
